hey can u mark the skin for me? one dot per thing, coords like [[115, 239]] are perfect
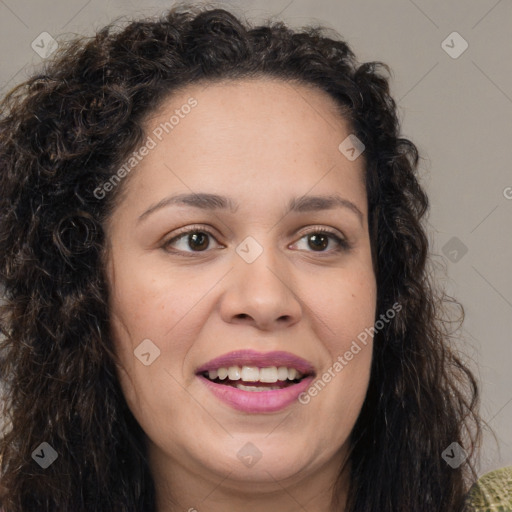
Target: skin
[[261, 142]]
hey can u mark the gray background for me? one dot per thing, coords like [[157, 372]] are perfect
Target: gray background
[[458, 111]]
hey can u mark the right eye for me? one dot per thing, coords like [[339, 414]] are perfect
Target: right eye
[[195, 240]]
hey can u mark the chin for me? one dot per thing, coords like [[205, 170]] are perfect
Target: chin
[[261, 460]]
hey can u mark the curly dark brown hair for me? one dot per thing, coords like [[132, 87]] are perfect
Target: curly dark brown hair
[[64, 132]]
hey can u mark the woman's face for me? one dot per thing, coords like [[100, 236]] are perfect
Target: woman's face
[[257, 284]]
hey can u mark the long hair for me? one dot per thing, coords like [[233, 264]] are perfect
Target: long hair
[[64, 132]]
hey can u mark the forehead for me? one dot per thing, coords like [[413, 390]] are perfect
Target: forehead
[[259, 103], [300, 115], [263, 132]]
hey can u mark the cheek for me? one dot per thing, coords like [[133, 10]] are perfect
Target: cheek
[[149, 302], [346, 306], [347, 310], [145, 320]]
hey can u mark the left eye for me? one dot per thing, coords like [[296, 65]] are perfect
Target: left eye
[[198, 240], [320, 239]]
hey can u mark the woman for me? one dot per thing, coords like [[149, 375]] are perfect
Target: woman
[[217, 284]]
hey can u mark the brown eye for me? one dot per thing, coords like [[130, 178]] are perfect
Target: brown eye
[[318, 241], [198, 240], [193, 240]]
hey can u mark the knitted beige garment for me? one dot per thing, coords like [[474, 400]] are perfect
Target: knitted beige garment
[[492, 492]]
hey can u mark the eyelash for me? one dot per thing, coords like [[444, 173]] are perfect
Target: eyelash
[[342, 244]]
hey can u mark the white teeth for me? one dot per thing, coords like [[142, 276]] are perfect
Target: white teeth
[[234, 373], [282, 373], [256, 388], [268, 374], [250, 374], [254, 374]]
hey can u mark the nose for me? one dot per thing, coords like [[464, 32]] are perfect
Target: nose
[[262, 293]]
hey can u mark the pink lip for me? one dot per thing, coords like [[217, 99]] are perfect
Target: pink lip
[[260, 359], [257, 401]]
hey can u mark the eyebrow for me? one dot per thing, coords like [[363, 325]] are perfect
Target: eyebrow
[[206, 201]]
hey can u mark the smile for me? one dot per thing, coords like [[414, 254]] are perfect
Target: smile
[[248, 374], [255, 398], [257, 386]]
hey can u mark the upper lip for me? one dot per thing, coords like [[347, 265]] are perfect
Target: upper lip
[[259, 359]]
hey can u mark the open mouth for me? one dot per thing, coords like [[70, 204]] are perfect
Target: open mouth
[[256, 383], [252, 378]]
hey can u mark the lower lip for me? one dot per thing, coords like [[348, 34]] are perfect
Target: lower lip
[[257, 401]]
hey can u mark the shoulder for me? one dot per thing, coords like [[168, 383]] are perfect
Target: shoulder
[[492, 492]]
